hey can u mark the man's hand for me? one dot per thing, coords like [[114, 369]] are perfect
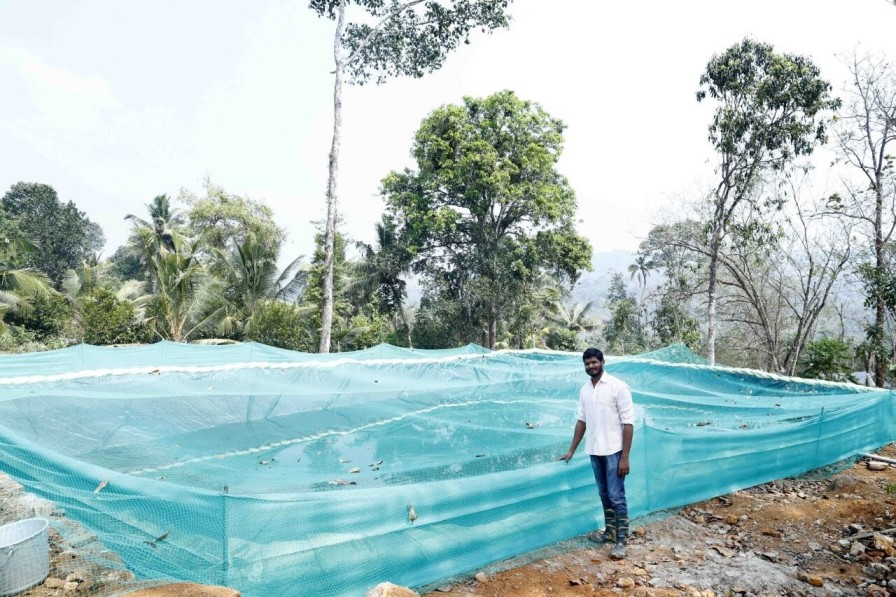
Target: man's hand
[[622, 470], [566, 457]]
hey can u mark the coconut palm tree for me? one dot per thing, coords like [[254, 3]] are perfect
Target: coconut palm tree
[[162, 219], [641, 268], [382, 270], [187, 300], [575, 318], [83, 283], [345, 331], [85, 279], [251, 277], [149, 237], [19, 283]]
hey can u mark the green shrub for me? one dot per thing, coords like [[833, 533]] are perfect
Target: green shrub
[[563, 339], [279, 324], [50, 317], [828, 358], [361, 331], [109, 320]]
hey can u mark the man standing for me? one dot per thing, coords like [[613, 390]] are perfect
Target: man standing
[[606, 408]]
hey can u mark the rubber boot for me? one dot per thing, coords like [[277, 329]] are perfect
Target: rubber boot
[[609, 533], [619, 550]]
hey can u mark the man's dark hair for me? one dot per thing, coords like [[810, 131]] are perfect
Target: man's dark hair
[[593, 352]]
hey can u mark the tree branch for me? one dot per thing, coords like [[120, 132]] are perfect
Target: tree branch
[[378, 28]]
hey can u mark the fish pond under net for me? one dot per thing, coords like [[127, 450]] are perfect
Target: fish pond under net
[[280, 473]]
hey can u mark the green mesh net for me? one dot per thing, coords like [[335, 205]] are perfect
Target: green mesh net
[[279, 473]]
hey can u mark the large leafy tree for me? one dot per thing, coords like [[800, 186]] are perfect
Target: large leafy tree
[[769, 110], [125, 264], [442, 321], [376, 39], [486, 210], [223, 218], [64, 235]]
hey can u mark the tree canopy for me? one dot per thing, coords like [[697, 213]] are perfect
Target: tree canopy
[[405, 37], [222, 218], [486, 209], [769, 110], [63, 235]]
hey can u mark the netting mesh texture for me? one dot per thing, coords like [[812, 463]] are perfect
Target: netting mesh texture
[[279, 473]]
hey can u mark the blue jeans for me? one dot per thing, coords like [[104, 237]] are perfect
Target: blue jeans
[[609, 484]]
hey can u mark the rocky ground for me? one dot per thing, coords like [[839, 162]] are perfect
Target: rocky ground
[[79, 563], [802, 537]]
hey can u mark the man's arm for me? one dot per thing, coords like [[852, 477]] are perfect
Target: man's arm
[[628, 431], [626, 408], [577, 436]]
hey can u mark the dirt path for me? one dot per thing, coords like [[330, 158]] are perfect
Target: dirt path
[[791, 537]]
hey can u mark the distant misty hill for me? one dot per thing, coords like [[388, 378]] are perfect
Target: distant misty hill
[[592, 286]]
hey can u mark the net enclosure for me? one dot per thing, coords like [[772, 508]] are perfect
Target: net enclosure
[[282, 473]]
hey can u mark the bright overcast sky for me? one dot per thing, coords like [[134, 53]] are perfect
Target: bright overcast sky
[[114, 102]]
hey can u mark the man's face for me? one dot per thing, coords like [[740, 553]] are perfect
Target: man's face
[[594, 367]]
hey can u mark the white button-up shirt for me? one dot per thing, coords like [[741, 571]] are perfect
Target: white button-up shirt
[[605, 407]]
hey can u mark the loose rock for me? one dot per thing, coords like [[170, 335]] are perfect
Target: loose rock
[[387, 589]]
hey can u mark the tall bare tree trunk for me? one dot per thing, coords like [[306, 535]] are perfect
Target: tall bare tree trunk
[[864, 142], [715, 247], [880, 305], [326, 317], [492, 327], [407, 327]]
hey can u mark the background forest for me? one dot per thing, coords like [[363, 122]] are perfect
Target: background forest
[[785, 264]]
